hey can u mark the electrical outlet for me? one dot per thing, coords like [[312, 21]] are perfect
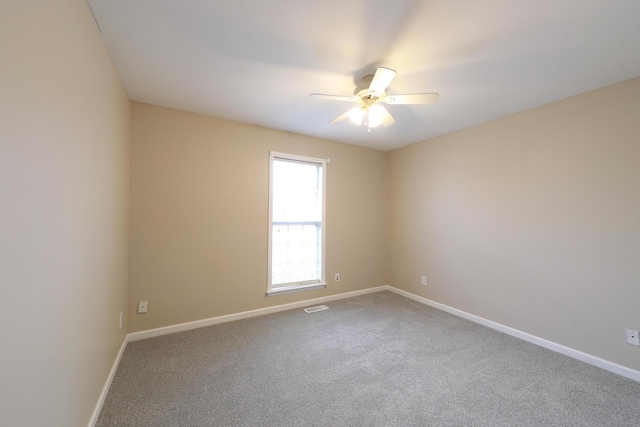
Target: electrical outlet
[[632, 337], [337, 277], [120, 320], [142, 306], [424, 280]]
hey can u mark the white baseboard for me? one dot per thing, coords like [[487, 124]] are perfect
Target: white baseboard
[[105, 389], [567, 351], [150, 333]]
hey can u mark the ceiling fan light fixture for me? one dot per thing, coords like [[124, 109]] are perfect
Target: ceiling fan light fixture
[[375, 116], [356, 115]]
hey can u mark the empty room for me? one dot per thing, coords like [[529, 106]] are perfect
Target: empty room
[[305, 213]]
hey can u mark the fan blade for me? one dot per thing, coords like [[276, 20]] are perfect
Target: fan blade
[[333, 97], [381, 80], [412, 98], [340, 118], [387, 119]]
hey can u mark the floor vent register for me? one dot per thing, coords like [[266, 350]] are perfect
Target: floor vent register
[[316, 308]]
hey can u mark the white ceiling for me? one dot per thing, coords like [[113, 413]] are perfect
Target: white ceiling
[[257, 61]]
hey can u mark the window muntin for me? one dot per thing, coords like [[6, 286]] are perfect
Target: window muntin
[[296, 216]]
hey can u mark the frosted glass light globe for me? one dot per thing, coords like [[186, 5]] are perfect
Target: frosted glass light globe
[[376, 113], [356, 115]]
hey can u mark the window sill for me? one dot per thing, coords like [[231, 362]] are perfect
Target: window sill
[[292, 289]]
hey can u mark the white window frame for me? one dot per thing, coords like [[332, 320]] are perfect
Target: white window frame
[[302, 286]]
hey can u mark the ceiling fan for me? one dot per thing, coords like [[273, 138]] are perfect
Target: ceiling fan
[[370, 94]]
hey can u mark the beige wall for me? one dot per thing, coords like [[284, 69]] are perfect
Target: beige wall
[[532, 221], [64, 148], [199, 216]]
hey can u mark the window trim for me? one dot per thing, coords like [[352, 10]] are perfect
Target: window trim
[[303, 286]]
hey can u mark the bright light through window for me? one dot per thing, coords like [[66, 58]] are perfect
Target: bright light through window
[[297, 222]]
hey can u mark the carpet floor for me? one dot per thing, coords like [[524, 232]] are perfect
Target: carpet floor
[[374, 360]]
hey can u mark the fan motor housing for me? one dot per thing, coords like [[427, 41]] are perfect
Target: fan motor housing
[[362, 92]]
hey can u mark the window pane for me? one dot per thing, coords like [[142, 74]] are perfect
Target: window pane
[[295, 253], [297, 191]]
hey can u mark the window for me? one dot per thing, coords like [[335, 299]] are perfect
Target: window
[[296, 223]]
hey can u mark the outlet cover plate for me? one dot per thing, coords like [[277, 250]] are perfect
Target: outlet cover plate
[[424, 280], [632, 337], [142, 306]]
